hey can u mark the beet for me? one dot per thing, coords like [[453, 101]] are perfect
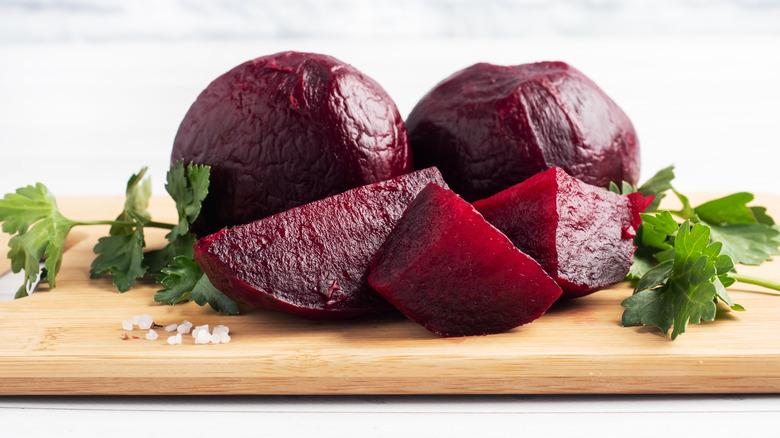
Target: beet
[[449, 270], [488, 127], [287, 129], [582, 235], [312, 260]]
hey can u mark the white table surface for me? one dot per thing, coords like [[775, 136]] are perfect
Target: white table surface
[[82, 117]]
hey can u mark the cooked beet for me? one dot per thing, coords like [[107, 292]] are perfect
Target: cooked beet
[[312, 260], [449, 270], [287, 129], [488, 127], [582, 235]]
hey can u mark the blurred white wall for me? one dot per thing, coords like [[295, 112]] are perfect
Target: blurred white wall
[[91, 20]]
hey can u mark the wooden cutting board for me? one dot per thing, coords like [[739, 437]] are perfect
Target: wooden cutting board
[[68, 341]]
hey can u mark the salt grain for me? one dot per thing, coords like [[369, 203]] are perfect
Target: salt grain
[[220, 337], [221, 329], [136, 319], [173, 340], [145, 321], [184, 327], [198, 329], [203, 337], [170, 328], [152, 335], [127, 324]]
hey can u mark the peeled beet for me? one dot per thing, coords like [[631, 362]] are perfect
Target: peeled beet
[[312, 260], [287, 129], [582, 235], [488, 127], [449, 270]]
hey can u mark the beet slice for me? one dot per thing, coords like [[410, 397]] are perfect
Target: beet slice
[[312, 260], [582, 235], [488, 127], [449, 270], [286, 129]]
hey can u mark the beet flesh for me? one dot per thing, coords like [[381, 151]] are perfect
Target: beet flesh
[[287, 129], [449, 270], [312, 260], [582, 235], [488, 127]]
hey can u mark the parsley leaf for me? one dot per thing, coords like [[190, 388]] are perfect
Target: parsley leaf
[[657, 186], [683, 289], [205, 292], [122, 257], [137, 196], [747, 244], [188, 186], [38, 232], [179, 280]]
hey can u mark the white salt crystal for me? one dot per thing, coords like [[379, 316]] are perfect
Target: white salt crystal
[[184, 327], [152, 335], [127, 324], [199, 329], [145, 321], [170, 328], [175, 339], [203, 337], [136, 319], [220, 337], [221, 329]]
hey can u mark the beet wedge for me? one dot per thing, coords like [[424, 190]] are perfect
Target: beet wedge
[[312, 260], [582, 235], [449, 270]]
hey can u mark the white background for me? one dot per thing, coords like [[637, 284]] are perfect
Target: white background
[[91, 91]]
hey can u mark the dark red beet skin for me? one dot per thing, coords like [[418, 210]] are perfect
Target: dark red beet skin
[[449, 270], [312, 260], [582, 235], [488, 127], [287, 129]]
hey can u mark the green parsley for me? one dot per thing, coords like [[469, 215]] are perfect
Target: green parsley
[[682, 269], [39, 230]]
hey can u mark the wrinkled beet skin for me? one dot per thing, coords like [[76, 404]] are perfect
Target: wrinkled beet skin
[[449, 270], [287, 129], [312, 260], [488, 127], [582, 235]]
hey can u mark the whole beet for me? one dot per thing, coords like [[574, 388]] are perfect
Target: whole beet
[[287, 129], [488, 127]]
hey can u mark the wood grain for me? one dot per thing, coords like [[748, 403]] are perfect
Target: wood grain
[[68, 341]]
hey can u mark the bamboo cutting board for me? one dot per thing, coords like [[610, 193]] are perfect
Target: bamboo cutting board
[[69, 341]]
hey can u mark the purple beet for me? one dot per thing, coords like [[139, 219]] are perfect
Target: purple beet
[[312, 260], [287, 129], [488, 127], [582, 235], [449, 270]]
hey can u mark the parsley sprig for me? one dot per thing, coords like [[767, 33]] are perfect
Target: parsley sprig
[[39, 230], [683, 266]]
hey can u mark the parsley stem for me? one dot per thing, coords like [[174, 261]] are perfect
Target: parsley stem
[[152, 224], [164, 225], [769, 284]]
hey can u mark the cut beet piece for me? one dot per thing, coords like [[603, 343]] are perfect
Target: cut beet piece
[[582, 235], [312, 260], [449, 270]]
